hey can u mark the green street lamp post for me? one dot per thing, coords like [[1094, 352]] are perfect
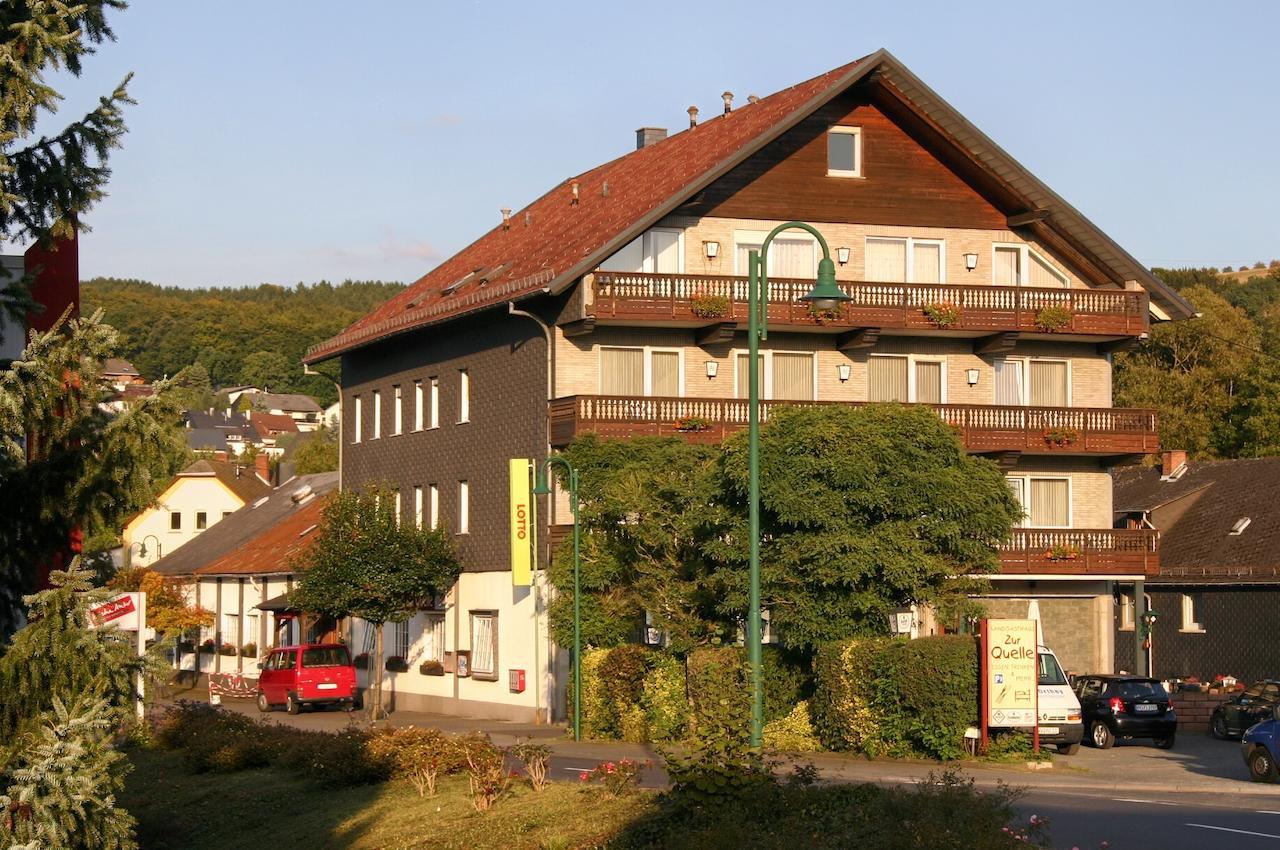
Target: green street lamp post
[[825, 295], [543, 488]]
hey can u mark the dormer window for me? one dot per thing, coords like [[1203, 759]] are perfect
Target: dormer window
[[844, 152]]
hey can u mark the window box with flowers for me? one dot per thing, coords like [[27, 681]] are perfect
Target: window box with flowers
[[822, 315], [361, 661], [396, 664], [692, 423], [942, 314], [208, 647], [1060, 437], [228, 649], [1055, 317], [707, 306], [1062, 552], [431, 668], [249, 650]]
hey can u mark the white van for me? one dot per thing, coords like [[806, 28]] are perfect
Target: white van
[[1060, 723]]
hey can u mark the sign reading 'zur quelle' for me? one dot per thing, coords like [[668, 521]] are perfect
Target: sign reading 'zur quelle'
[[1011, 672]]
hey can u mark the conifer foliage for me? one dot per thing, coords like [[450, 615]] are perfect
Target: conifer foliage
[[66, 467], [46, 183]]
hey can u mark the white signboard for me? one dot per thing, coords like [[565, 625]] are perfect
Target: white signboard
[[122, 612]]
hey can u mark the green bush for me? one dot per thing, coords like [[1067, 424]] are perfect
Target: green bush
[[895, 695], [788, 680], [595, 711], [792, 733], [622, 683], [719, 693], [665, 699]]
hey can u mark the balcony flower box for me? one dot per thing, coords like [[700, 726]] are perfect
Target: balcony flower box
[[692, 423], [1060, 437], [1065, 552], [942, 314], [706, 306], [1053, 318], [823, 315]]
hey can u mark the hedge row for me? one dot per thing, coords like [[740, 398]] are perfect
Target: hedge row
[[637, 694], [896, 696]]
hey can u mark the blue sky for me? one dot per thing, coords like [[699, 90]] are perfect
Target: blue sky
[[292, 141]]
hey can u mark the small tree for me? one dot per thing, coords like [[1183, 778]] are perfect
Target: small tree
[[365, 563]]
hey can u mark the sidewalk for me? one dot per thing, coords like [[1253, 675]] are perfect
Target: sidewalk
[[1197, 764]]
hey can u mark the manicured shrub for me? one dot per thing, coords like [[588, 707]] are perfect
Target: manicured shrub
[[596, 722], [719, 693], [622, 683], [333, 759], [787, 678], [792, 733], [665, 699], [896, 695]]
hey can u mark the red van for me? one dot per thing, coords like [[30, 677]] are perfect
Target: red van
[[311, 674]]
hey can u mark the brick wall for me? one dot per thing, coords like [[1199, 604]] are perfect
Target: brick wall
[[1194, 709], [506, 360]]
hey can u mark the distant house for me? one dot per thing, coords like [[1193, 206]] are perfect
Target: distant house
[[1219, 580], [198, 498], [243, 568], [234, 432], [120, 373], [302, 409]]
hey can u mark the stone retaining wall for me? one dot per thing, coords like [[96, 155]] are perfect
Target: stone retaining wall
[[1195, 707]]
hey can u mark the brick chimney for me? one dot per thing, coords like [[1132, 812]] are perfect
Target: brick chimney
[[262, 465], [1170, 461], [646, 136]]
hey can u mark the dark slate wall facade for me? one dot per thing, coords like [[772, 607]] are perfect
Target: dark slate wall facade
[[506, 358], [1238, 638]]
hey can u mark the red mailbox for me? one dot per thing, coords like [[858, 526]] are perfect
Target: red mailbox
[[515, 681]]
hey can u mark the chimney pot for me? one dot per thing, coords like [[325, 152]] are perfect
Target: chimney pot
[[506, 218], [646, 136], [693, 117], [574, 187], [728, 102], [753, 98], [1171, 461]]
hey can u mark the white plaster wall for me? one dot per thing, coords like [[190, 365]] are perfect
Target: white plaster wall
[[187, 495]]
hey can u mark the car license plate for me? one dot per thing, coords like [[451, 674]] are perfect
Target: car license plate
[[327, 686], [1146, 708], [1049, 730]]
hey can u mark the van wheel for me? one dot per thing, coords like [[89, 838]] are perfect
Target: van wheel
[[1069, 749], [263, 705], [292, 706], [1262, 768], [1101, 736], [1165, 743]]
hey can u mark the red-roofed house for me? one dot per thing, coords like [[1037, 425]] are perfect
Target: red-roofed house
[[615, 304]]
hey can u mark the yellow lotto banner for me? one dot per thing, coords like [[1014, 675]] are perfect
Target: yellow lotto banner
[[521, 524], [1011, 672]]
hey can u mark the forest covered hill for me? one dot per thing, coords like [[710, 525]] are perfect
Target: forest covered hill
[[252, 335]]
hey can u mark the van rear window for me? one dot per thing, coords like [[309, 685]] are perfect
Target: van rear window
[[328, 656]]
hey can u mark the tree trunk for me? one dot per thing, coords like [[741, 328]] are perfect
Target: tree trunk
[[375, 677]]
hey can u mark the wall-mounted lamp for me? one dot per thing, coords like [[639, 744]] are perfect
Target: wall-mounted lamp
[[843, 370], [970, 261], [712, 249], [713, 368], [842, 255], [972, 376]]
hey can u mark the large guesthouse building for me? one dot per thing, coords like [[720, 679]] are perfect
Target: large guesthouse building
[[616, 304]]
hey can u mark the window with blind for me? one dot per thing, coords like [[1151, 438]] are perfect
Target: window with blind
[[928, 381], [1018, 265], [664, 369], [484, 645], [743, 377], [1008, 382], [792, 258], [656, 251], [1007, 270], [433, 637], [623, 372], [400, 640], [886, 378], [1050, 502], [1048, 385], [1019, 488], [904, 260], [784, 375], [231, 629]]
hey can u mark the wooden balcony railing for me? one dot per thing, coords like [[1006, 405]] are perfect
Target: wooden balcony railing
[[1085, 552], [979, 307], [983, 428], [1052, 551]]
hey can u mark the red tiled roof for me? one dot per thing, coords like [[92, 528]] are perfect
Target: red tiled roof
[[274, 550], [268, 423], [553, 239]]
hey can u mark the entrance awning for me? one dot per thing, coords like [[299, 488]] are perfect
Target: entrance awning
[[278, 604]]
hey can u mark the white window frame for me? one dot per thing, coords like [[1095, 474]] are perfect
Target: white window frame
[[172, 516], [1026, 377], [232, 620], [464, 507], [433, 421], [647, 264], [433, 505], [395, 505], [1024, 262], [912, 360], [464, 396], [400, 642], [417, 405], [357, 417], [433, 624], [484, 675], [742, 238], [910, 242], [377, 415], [397, 409], [1026, 479], [846, 130], [1189, 623], [202, 520], [648, 364], [767, 356], [417, 506], [1127, 612]]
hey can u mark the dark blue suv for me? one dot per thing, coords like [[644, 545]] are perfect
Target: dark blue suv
[[1260, 745]]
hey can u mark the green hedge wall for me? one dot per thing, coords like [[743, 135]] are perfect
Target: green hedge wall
[[897, 696]]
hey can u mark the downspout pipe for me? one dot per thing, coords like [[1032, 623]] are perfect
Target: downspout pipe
[[537, 688]]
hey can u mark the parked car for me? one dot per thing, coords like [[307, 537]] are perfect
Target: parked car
[[309, 674], [1260, 747], [1241, 711], [1125, 707]]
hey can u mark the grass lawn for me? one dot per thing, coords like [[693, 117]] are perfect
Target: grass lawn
[[276, 810]]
